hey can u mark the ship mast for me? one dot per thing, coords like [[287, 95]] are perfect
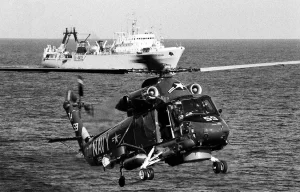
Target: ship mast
[[66, 38], [133, 27]]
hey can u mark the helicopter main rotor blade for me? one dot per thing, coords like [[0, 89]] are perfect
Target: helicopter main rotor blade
[[89, 109], [69, 70], [151, 62], [230, 67]]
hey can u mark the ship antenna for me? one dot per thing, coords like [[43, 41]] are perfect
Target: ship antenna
[[127, 25], [132, 28]]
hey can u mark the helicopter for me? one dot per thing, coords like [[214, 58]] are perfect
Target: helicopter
[[167, 121]]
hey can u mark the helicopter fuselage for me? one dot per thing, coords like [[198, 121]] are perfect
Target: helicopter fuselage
[[182, 125]]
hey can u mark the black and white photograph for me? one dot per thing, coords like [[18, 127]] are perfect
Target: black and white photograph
[[149, 95]]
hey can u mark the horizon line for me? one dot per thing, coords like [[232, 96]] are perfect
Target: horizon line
[[20, 38]]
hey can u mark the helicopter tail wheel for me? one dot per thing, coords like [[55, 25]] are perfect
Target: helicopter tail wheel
[[122, 178], [216, 167], [224, 166], [122, 181], [143, 174]]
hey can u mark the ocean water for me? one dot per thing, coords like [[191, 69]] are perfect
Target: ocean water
[[261, 106]]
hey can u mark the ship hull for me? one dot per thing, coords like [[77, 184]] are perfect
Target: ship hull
[[168, 56]]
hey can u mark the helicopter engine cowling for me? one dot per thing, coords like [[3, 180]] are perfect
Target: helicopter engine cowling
[[123, 104], [144, 93], [134, 162], [152, 92], [194, 88], [138, 100]]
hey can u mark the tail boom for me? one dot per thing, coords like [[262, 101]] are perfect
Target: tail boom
[[73, 115]]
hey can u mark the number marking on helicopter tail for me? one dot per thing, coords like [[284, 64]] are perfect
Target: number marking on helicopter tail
[[75, 126]]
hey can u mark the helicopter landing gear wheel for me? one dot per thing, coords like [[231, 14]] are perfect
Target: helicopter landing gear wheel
[[216, 167], [146, 174], [224, 166], [143, 174], [150, 173]]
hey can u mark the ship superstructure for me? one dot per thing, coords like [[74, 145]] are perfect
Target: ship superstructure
[[121, 54]]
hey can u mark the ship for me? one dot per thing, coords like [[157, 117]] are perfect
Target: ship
[[121, 54]]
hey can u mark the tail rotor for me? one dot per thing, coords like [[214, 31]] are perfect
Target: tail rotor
[[89, 108], [70, 96], [73, 106], [80, 86]]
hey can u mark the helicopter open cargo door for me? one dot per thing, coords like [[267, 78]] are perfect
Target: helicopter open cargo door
[[145, 130], [150, 125], [165, 124]]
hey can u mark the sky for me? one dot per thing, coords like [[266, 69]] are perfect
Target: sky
[[171, 19]]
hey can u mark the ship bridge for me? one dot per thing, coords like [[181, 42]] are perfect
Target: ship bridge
[[136, 42]]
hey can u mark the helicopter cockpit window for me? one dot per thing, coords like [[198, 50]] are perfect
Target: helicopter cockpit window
[[208, 107], [196, 109]]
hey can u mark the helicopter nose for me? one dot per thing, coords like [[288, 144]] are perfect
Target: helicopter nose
[[211, 135]]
